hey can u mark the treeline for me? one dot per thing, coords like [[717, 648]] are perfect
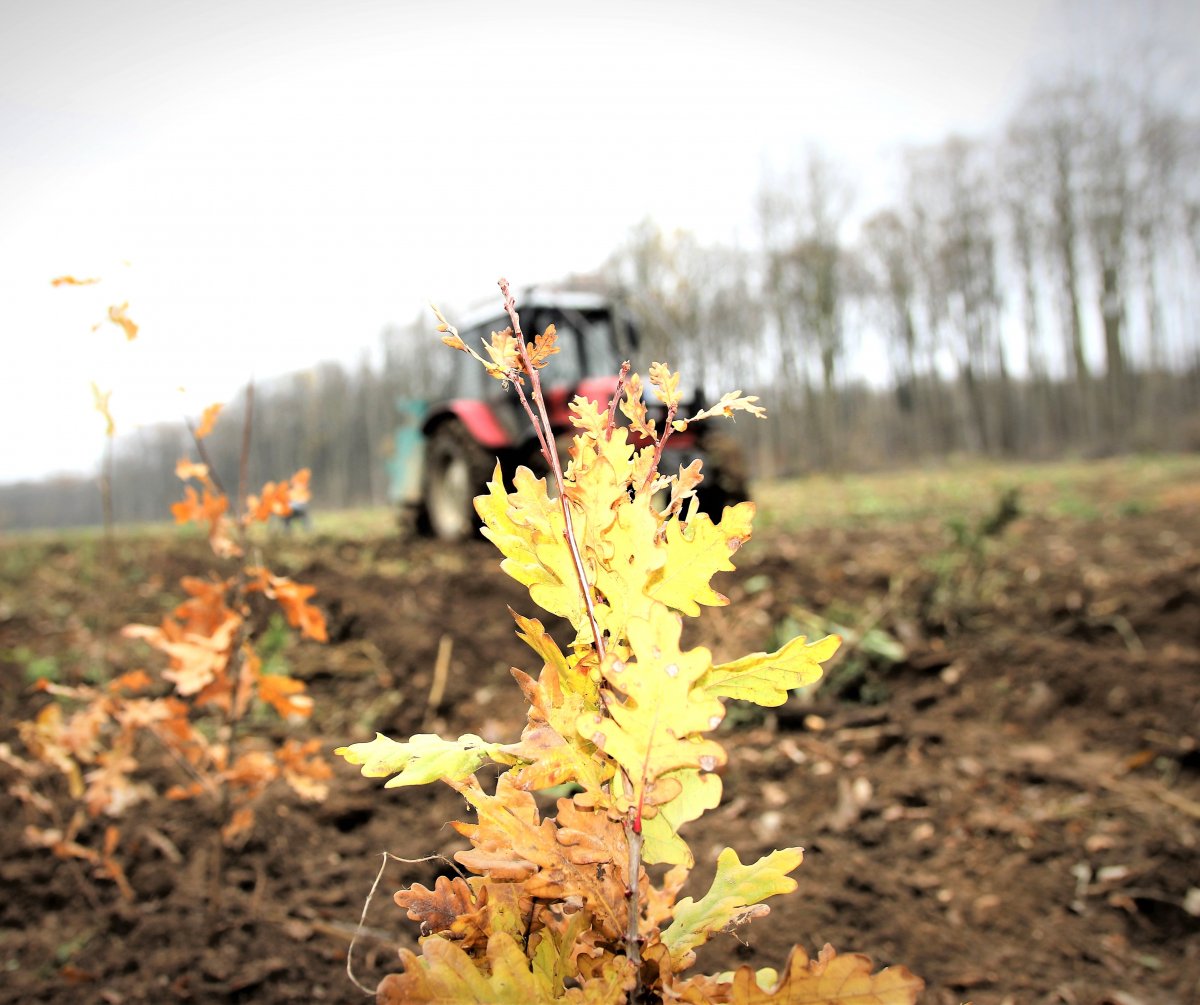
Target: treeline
[[1028, 294]]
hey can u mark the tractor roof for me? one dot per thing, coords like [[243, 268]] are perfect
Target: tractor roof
[[534, 298]]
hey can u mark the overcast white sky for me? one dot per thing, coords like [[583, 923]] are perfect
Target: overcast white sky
[[286, 178]]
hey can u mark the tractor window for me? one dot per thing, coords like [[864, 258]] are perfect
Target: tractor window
[[603, 354], [586, 343], [566, 366]]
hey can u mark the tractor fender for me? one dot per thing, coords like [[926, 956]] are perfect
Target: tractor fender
[[479, 420]]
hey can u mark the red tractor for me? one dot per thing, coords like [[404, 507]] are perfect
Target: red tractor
[[445, 451]]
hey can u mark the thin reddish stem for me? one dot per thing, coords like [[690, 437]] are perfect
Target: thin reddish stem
[[616, 398], [550, 452], [659, 444]]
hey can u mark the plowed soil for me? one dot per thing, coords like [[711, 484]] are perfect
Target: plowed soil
[[998, 787]]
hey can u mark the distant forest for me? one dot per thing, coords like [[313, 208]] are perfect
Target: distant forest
[[1030, 294]]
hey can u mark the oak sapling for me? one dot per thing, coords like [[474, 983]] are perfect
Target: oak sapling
[[562, 908], [100, 738]]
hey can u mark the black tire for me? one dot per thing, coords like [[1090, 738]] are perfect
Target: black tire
[[725, 482], [456, 471]]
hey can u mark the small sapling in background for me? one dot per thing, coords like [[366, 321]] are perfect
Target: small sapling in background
[[104, 740]]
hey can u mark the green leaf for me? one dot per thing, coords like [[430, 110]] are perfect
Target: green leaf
[[736, 890], [766, 678], [425, 758]]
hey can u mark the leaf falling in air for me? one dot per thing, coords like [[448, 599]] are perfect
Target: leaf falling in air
[[208, 420], [100, 400], [119, 315]]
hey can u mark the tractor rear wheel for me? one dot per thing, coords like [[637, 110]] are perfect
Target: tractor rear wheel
[[456, 470]]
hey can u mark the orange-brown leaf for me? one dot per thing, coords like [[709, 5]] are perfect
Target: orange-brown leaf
[[830, 979], [580, 854], [304, 769], [133, 682], [544, 346], [72, 281], [208, 420], [239, 824], [285, 695], [439, 908], [186, 469], [292, 598], [119, 316]]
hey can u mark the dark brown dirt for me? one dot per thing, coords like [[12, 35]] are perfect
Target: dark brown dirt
[[999, 788]]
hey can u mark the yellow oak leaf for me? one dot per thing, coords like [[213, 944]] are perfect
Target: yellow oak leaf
[[830, 979], [528, 528], [766, 678], [588, 416], [550, 750], [665, 384], [424, 758], [553, 949], [569, 676], [637, 559], [695, 552], [446, 974], [285, 695], [699, 791], [731, 402], [735, 896], [633, 407], [656, 729]]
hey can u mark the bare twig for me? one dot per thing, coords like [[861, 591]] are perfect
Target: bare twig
[[441, 670], [616, 398], [202, 450], [362, 921], [659, 444], [244, 458], [550, 452]]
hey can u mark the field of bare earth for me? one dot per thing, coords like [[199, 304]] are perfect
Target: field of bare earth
[[997, 784]]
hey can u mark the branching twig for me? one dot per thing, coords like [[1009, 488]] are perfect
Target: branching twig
[[204, 456], [616, 398], [550, 452]]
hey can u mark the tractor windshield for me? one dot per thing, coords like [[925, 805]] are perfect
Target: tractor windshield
[[588, 345]]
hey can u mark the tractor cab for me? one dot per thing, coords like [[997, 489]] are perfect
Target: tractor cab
[[445, 451]]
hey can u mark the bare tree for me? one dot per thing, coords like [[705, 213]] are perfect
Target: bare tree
[[1050, 124], [889, 259], [950, 185], [806, 272]]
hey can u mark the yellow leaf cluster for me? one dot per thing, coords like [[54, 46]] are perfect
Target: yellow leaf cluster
[[559, 906]]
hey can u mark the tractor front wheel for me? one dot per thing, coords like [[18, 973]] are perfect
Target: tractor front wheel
[[456, 470]]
